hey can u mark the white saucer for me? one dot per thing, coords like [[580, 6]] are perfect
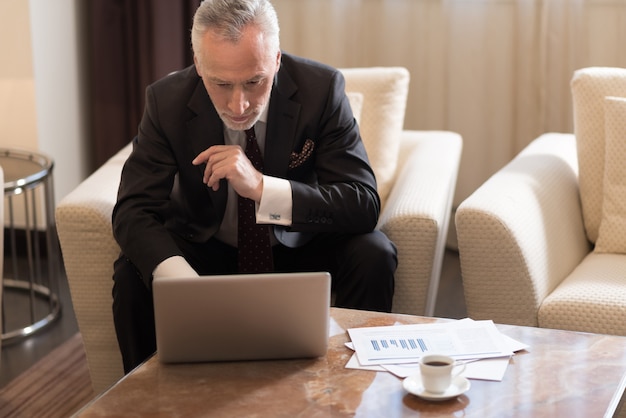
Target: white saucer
[[413, 384]]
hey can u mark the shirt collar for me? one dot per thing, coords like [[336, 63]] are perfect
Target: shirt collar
[[264, 113]]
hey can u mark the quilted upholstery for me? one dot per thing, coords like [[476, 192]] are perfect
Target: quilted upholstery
[[526, 255], [356, 103], [415, 216], [382, 117], [592, 298], [521, 232], [612, 233], [589, 88], [84, 227]]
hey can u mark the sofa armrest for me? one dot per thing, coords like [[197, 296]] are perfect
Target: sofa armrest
[[83, 219], [417, 214], [521, 233]]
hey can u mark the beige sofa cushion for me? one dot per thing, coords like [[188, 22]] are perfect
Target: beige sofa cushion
[[612, 234], [385, 91], [356, 103], [591, 299], [589, 88]]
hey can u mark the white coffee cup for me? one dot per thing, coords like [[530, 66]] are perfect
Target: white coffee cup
[[437, 371]]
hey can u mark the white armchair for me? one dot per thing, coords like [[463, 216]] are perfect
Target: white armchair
[[416, 171], [542, 242]]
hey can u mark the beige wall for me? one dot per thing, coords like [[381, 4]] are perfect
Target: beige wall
[[41, 90], [60, 88], [18, 122], [18, 119], [495, 71]]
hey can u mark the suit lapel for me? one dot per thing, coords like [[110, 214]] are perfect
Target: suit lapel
[[204, 131], [281, 128]]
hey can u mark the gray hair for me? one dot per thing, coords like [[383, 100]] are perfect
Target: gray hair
[[229, 17]]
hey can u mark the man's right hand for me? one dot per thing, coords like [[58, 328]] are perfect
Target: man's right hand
[[230, 162]]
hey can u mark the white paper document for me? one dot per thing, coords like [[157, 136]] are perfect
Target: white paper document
[[398, 348], [482, 369], [408, 343]]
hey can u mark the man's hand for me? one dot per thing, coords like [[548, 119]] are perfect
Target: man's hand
[[230, 162]]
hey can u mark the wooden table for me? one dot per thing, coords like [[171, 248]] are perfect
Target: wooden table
[[563, 374]]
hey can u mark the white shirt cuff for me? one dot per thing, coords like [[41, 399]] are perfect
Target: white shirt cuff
[[175, 266], [276, 203]]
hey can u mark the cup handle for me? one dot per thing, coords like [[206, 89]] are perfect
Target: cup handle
[[461, 367]]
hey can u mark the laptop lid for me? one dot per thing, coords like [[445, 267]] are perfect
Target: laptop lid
[[242, 317]]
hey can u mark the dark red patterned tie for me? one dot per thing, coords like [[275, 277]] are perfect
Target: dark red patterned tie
[[253, 240]]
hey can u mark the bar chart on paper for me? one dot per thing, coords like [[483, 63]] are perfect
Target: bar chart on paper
[[408, 343], [412, 345]]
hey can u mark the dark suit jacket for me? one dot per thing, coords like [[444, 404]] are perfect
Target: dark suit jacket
[[161, 192]]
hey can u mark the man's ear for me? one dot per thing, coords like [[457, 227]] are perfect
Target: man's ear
[[197, 64], [278, 55]]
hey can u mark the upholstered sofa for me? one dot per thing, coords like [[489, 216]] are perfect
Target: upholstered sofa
[[416, 173], [543, 241]]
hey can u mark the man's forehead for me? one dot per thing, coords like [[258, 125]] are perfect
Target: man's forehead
[[217, 78]]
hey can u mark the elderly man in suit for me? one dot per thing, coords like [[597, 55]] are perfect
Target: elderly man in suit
[[246, 125]]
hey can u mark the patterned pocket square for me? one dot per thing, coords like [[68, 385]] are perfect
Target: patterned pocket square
[[297, 159]]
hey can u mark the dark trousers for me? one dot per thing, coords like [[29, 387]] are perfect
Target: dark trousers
[[362, 268]]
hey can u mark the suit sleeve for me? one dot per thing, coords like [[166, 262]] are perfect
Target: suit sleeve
[[339, 194], [143, 197]]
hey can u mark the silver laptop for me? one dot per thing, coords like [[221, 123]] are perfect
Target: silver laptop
[[242, 317]]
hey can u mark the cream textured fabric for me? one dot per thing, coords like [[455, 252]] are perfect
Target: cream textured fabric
[[385, 91], [591, 299], [85, 232], [612, 235], [415, 217], [356, 103], [523, 240], [521, 232], [589, 88]]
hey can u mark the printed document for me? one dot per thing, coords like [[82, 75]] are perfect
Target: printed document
[[400, 344]]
